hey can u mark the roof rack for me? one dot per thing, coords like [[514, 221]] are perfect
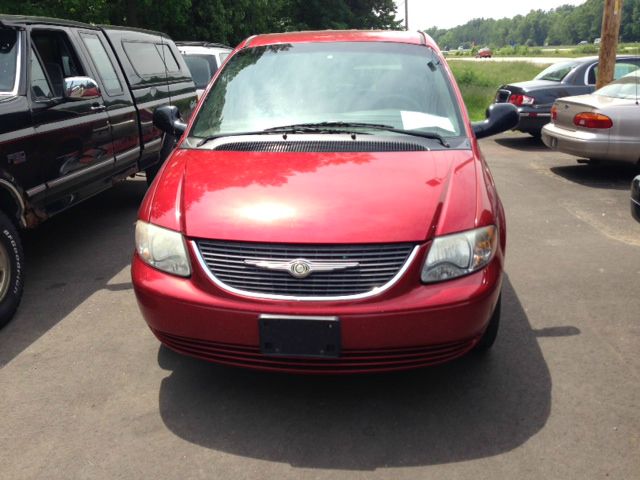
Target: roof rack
[[202, 44]]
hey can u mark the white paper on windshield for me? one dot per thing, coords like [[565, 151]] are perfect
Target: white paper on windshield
[[415, 120]]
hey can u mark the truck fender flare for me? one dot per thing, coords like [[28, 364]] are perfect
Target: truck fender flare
[[18, 198]]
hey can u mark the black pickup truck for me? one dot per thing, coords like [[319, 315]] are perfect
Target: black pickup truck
[[76, 116]]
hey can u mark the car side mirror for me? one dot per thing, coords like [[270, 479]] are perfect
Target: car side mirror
[[500, 117], [635, 198], [80, 88], [167, 119]]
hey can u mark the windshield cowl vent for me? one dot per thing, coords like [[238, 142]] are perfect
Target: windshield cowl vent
[[322, 146]]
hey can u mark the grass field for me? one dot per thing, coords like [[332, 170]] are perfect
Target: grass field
[[479, 81]]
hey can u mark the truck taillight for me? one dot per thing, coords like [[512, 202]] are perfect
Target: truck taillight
[[519, 100], [554, 113], [592, 120]]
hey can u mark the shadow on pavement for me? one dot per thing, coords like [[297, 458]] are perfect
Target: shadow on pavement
[[70, 257], [611, 176], [472, 408], [525, 143]]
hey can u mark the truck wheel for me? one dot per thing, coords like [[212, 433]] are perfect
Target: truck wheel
[[490, 334], [11, 269], [168, 144]]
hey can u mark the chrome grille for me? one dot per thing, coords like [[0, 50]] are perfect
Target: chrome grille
[[378, 266]]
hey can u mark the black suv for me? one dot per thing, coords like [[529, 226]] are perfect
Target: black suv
[[76, 115]]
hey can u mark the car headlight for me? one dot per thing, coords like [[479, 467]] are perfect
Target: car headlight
[[453, 256], [162, 249]]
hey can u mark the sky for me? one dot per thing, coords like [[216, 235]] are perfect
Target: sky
[[450, 13]]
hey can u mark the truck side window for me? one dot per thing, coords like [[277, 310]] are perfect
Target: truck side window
[[103, 64], [145, 59], [167, 56], [59, 58], [39, 84]]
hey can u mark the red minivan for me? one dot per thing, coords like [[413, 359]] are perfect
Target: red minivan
[[327, 210]]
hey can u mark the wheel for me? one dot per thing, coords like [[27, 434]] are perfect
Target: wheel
[[489, 337], [168, 144], [537, 134], [11, 269]]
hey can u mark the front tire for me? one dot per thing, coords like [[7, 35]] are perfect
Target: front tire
[[489, 337], [11, 269]]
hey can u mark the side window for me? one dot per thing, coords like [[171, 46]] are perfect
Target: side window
[[145, 59], [591, 75], [167, 56], [59, 60], [622, 69], [103, 64], [39, 84]]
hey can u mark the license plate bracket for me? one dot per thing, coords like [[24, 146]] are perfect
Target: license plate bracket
[[300, 336]]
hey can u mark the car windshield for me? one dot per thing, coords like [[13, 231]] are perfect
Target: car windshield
[[8, 60], [627, 87], [399, 85], [556, 72]]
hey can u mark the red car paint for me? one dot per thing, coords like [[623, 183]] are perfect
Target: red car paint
[[325, 198]]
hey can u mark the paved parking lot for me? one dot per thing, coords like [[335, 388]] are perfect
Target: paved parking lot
[[87, 392]]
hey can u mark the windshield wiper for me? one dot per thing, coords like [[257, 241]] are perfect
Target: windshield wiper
[[284, 129], [373, 126], [329, 127]]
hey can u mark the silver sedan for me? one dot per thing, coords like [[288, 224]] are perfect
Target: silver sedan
[[604, 125]]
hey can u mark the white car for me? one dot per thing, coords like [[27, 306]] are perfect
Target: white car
[[600, 126], [203, 59]]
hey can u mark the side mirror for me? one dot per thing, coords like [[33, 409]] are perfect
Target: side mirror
[[80, 88], [635, 198], [500, 117], [167, 119]]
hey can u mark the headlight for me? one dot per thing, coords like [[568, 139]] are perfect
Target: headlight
[[459, 254], [162, 249]]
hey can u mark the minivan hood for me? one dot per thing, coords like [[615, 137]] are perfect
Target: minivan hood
[[323, 197]]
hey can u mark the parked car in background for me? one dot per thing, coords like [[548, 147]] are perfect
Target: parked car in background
[[203, 60], [327, 211], [635, 198], [534, 98], [596, 41], [76, 110], [602, 126], [484, 53]]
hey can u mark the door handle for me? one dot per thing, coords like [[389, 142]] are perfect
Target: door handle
[[98, 108]]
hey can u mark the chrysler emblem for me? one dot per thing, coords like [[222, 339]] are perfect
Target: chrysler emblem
[[300, 267]]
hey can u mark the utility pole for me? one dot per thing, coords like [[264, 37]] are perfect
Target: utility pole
[[609, 41], [406, 15]]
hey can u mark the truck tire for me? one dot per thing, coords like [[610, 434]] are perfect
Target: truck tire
[[168, 144], [11, 269]]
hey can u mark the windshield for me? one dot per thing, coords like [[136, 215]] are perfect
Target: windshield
[[8, 60], [202, 68], [365, 82], [556, 72], [627, 87]]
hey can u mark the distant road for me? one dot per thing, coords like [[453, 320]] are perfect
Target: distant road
[[536, 60]]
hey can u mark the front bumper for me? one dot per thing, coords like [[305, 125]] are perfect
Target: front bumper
[[578, 143], [411, 325]]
